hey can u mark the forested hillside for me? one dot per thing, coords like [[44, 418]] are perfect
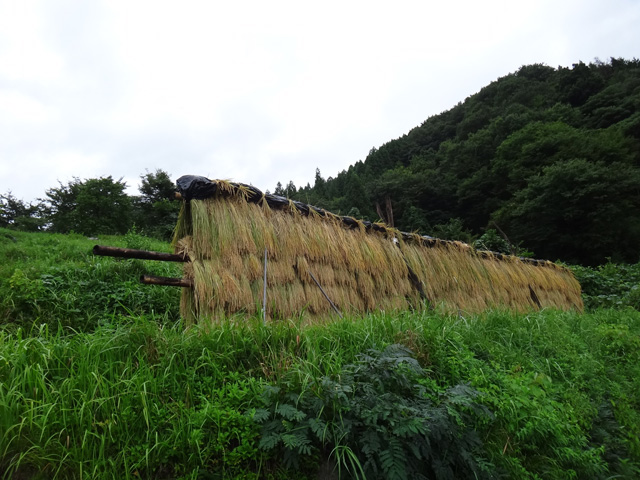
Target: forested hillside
[[548, 156], [544, 161]]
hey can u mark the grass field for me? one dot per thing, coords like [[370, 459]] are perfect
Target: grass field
[[99, 379]]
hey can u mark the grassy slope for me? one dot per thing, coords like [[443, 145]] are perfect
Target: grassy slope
[[55, 279], [133, 395]]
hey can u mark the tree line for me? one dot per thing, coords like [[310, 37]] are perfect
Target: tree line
[[97, 206], [544, 159]]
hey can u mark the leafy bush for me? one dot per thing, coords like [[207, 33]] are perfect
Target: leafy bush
[[379, 419], [55, 279], [611, 285], [491, 241]]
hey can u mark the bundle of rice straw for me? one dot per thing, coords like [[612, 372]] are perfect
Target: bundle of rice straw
[[315, 258]]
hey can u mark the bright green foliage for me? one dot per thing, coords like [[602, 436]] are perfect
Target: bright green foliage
[[393, 425], [91, 207], [491, 241], [241, 398], [610, 285], [556, 382], [133, 401], [453, 230], [55, 279]]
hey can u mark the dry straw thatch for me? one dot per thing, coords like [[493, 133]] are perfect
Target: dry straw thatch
[[224, 228]]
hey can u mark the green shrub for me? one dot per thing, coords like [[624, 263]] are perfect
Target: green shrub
[[377, 419], [55, 279], [611, 285]]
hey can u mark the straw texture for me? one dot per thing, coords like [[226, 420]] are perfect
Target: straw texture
[[361, 269]]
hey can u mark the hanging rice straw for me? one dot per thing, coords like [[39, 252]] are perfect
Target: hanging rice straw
[[362, 266]]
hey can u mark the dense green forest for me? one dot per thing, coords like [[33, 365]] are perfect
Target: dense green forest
[[548, 157]]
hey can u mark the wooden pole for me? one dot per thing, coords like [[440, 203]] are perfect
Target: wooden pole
[[264, 290], [139, 254], [325, 295], [167, 281]]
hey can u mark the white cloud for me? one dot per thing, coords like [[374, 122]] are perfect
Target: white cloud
[[259, 91], [19, 108]]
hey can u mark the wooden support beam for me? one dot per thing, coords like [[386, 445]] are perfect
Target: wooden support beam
[[167, 281], [139, 254]]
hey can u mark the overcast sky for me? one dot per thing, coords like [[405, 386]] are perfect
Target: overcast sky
[[260, 91]]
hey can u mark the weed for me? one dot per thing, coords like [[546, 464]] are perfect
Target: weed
[[377, 420]]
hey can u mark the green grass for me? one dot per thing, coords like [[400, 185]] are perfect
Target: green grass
[[145, 400], [55, 279], [93, 389]]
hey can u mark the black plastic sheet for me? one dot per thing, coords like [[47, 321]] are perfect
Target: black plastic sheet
[[195, 187]]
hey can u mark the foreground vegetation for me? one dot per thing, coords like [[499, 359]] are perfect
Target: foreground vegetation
[[55, 279], [547, 395], [99, 378]]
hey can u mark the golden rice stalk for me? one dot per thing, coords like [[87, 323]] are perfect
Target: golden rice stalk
[[188, 307], [225, 187], [455, 275], [302, 268], [183, 225], [226, 236], [280, 272], [314, 300], [253, 267]]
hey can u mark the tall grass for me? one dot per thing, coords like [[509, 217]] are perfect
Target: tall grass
[[147, 400], [55, 279], [133, 399], [100, 379]]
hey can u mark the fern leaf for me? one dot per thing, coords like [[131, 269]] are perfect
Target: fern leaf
[[393, 461], [290, 412], [319, 428], [260, 415], [269, 441]]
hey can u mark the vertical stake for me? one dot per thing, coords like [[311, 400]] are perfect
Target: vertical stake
[[264, 290]]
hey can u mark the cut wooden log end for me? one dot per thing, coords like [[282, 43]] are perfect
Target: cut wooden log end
[[166, 281], [139, 254]]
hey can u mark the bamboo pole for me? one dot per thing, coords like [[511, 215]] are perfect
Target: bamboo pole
[[139, 254], [264, 295], [325, 295], [166, 281]]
